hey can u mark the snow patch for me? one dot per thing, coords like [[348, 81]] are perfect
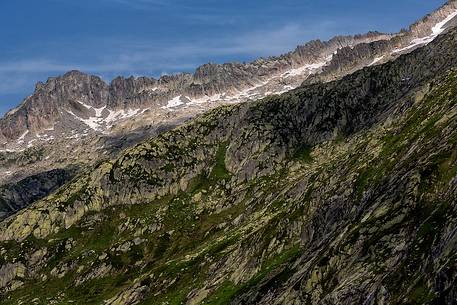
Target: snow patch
[[307, 69], [44, 137], [120, 115], [439, 27], [30, 143], [285, 89], [85, 105], [175, 102], [98, 123], [20, 140], [436, 31], [376, 60], [92, 122], [114, 116], [204, 99], [99, 111]]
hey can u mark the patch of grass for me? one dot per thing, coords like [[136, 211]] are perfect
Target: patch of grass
[[227, 291], [223, 294], [303, 154], [421, 294], [219, 171]]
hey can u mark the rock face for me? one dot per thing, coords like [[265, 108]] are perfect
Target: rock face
[[14, 197], [41, 110], [334, 193]]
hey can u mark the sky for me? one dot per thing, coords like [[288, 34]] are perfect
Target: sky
[[41, 39]]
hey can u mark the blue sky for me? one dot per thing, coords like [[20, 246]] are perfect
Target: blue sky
[[154, 37]]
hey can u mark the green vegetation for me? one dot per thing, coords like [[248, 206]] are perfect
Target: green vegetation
[[303, 153], [219, 171], [227, 291]]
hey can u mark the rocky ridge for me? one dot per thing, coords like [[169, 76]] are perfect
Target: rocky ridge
[[351, 59], [89, 101]]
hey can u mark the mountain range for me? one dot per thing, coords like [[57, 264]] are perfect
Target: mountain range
[[327, 175]]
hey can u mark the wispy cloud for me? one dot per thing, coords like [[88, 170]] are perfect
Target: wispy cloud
[[131, 56], [139, 3], [149, 5], [129, 4]]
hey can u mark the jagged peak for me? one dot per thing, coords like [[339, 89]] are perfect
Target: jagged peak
[[433, 16], [67, 76], [74, 73]]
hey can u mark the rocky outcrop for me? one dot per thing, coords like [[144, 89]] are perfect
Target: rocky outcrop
[[10, 275]]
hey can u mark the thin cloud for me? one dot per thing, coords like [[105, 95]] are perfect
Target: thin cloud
[[128, 54], [129, 4], [140, 4]]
